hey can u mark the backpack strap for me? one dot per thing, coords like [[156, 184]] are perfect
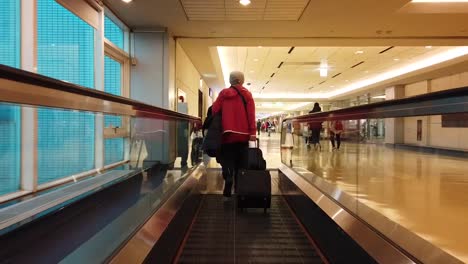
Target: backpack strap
[[245, 104]]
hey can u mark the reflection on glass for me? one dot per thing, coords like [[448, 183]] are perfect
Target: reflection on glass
[[393, 172]]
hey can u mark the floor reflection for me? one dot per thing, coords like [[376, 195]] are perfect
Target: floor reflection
[[425, 193]]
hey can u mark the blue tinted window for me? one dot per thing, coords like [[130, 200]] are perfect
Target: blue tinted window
[[9, 115], [114, 150], [113, 147], [9, 32], [113, 33], [9, 149], [65, 52]]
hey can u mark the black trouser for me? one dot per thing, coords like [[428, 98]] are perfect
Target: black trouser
[[258, 131], [232, 158], [334, 136]]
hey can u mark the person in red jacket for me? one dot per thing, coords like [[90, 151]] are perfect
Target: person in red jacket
[[238, 122]]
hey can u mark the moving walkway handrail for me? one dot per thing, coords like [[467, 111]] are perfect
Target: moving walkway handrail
[[23, 87], [435, 103]]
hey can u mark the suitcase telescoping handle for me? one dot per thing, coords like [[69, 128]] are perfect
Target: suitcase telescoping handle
[[257, 144]]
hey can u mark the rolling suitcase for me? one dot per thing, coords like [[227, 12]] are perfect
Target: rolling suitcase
[[255, 160], [253, 185]]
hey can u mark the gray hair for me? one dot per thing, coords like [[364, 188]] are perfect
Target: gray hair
[[236, 77]]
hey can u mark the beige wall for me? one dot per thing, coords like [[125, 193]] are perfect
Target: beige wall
[[433, 134], [207, 101], [187, 80]]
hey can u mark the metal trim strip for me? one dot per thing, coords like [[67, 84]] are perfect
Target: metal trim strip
[[22, 87], [401, 238], [370, 241], [140, 244], [442, 102], [58, 197]]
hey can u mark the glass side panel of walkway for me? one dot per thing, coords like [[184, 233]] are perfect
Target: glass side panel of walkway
[[414, 180]]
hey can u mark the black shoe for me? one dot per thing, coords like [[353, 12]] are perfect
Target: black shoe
[[227, 189]]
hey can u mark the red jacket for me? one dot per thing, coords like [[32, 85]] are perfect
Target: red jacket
[[236, 128]]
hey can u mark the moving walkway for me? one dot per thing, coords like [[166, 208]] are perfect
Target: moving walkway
[[148, 208]]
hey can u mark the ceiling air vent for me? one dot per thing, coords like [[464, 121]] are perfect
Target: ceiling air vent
[[357, 64], [387, 49], [322, 82], [336, 75], [291, 50], [301, 63], [281, 64], [273, 75]]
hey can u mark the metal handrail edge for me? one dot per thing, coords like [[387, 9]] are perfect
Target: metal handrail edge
[[371, 110], [25, 77], [448, 258]]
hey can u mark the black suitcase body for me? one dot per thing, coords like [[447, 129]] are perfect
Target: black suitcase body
[[253, 185], [253, 189], [255, 160]]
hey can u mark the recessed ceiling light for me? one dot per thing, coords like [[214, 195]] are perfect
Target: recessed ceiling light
[[346, 80], [359, 52], [366, 71], [255, 60], [428, 47], [252, 71], [332, 86], [260, 47], [244, 2], [396, 59], [127, 1], [323, 68]]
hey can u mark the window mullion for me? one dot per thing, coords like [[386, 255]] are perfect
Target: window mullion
[[99, 84], [29, 114]]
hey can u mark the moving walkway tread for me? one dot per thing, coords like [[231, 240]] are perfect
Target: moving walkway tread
[[222, 234]]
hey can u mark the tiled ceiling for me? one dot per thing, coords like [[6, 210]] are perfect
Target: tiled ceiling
[[219, 10], [283, 70]]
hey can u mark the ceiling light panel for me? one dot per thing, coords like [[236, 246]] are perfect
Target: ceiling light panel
[[279, 10], [300, 69]]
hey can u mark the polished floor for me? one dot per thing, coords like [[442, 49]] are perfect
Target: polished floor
[[425, 193]]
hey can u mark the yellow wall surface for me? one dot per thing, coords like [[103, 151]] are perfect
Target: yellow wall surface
[[187, 80], [433, 134]]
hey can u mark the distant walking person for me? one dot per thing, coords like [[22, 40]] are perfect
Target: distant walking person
[[268, 127], [237, 108], [259, 127], [315, 128], [336, 128]]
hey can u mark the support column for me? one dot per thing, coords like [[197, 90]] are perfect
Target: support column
[[28, 114], [394, 127], [99, 85]]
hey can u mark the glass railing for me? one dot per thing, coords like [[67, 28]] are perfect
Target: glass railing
[[400, 165], [61, 143]]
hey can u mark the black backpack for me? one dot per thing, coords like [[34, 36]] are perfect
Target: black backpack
[[214, 134], [212, 141]]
